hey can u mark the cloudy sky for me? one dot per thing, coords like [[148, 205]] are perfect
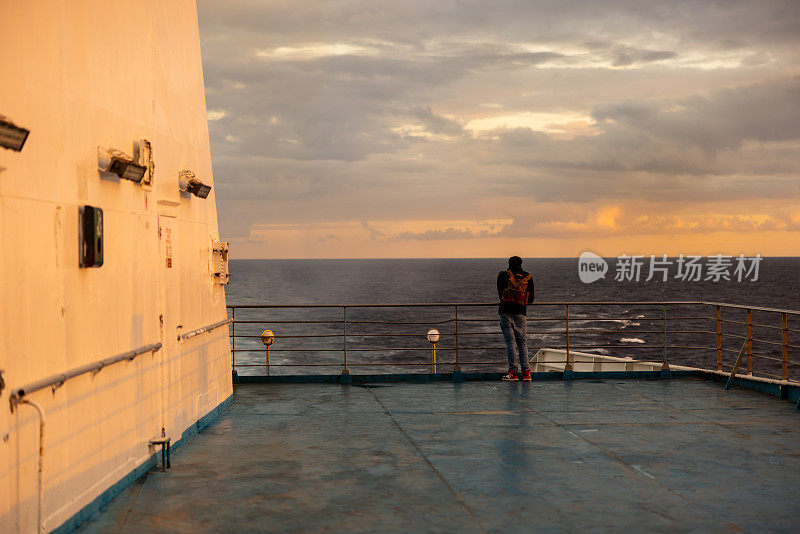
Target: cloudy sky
[[484, 129]]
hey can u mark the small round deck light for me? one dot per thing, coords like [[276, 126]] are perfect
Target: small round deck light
[[267, 337], [433, 335]]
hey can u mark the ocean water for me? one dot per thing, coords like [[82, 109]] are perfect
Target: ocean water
[[626, 330]]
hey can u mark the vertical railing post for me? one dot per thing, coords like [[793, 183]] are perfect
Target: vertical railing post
[[665, 365], [233, 339], [719, 338], [457, 368], [345, 371], [268, 360], [749, 342], [568, 363], [785, 343]]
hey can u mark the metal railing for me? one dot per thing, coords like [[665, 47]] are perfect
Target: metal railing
[[699, 334], [56, 381]]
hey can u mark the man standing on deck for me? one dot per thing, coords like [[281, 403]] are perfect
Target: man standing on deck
[[515, 289]]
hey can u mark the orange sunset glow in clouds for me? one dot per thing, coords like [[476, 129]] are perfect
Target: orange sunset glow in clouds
[[385, 130]]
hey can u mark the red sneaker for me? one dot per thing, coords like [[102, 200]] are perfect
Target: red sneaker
[[526, 376], [511, 375]]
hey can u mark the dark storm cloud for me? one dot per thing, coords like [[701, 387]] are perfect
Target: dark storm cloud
[[673, 149], [683, 101], [722, 120]]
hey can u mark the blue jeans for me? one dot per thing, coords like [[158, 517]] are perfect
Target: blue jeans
[[515, 332]]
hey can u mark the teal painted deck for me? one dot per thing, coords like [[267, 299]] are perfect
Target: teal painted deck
[[603, 455]]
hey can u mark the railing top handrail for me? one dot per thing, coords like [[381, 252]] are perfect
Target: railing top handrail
[[550, 303], [57, 380], [753, 308], [460, 304]]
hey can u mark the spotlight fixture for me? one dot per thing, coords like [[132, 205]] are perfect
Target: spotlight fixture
[[199, 189], [187, 181], [118, 163], [12, 136]]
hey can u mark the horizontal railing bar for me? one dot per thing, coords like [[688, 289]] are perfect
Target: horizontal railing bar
[[289, 365], [462, 362], [237, 336], [773, 327], [349, 335], [744, 323], [691, 347], [340, 349], [476, 304], [726, 334], [498, 347], [765, 341], [730, 321], [207, 328], [598, 331], [333, 321], [498, 332], [59, 379], [384, 364], [631, 346], [272, 349], [764, 357], [592, 318], [677, 332], [401, 322], [371, 364], [753, 308], [535, 304]]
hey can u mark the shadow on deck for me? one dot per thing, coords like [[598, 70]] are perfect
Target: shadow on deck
[[603, 455]]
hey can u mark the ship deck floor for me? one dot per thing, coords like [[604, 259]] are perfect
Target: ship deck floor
[[602, 455]]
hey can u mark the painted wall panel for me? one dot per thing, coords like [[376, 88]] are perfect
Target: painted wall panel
[[78, 78]]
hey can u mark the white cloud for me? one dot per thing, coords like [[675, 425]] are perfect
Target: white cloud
[[544, 122], [315, 51], [215, 114]]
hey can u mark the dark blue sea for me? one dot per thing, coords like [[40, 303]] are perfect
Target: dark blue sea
[[389, 339]]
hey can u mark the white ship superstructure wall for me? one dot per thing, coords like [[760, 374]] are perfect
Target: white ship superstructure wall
[[78, 75]]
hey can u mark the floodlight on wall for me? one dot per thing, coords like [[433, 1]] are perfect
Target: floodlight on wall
[[187, 181], [119, 163], [12, 136]]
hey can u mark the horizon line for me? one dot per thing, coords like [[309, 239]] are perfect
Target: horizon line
[[500, 258]]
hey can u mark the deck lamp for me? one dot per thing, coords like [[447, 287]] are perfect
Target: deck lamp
[[267, 338], [12, 136], [433, 337], [122, 165]]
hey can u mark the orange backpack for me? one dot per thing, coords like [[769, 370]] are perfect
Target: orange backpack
[[517, 290]]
